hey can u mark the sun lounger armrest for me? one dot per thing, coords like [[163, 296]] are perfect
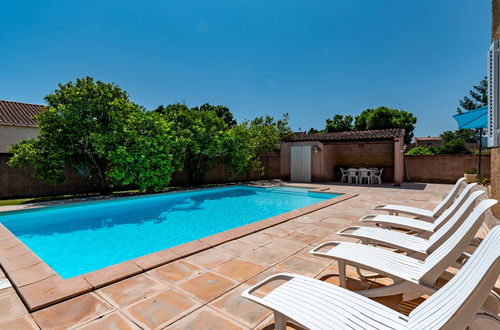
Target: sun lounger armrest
[[343, 232], [315, 251], [248, 292]]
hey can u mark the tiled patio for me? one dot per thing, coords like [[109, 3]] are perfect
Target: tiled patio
[[202, 291]]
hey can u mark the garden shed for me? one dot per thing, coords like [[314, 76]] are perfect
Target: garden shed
[[319, 157]]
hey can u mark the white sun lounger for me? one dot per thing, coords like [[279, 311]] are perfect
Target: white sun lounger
[[423, 213], [412, 277], [420, 226], [414, 246], [315, 304]]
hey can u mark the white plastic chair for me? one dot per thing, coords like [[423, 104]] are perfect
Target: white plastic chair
[[345, 175], [423, 213], [365, 174], [377, 176], [315, 304], [353, 175]]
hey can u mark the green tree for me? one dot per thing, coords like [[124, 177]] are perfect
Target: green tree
[[313, 130], [144, 156], [383, 118], [478, 97], [339, 123], [221, 111], [420, 151], [465, 135], [456, 146], [253, 139], [201, 137], [91, 126]]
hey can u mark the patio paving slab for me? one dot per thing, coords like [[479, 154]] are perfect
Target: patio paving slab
[[239, 269], [207, 286], [111, 321], [72, 312], [240, 309], [162, 309], [175, 271], [207, 319], [132, 289]]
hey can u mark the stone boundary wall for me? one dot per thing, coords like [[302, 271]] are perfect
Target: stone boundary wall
[[19, 182], [442, 168]]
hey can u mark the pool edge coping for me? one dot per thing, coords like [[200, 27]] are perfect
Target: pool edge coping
[[39, 286]]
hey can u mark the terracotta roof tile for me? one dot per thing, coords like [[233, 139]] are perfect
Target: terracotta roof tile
[[18, 113], [381, 134]]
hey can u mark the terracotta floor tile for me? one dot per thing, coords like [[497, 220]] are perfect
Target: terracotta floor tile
[[189, 248], [111, 321], [31, 274], [111, 274], [259, 238], [266, 255], [207, 286], [238, 269], [162, 309], [132, 289], [72, 312], [205, 318], [25, 260], [22, 323], [209, 258], [302, 237], [156, 259], [242, 309], [317, 230], [301, 266], [11, 308], [238, 247], [286, 245], [52, 289], [174, 271]]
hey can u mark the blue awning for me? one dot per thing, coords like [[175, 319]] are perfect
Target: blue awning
[[477, 118]]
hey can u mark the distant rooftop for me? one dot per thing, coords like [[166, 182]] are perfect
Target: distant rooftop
[[17, 113], [382, 134]]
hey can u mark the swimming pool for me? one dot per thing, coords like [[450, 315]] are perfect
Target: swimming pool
[[82, 237]]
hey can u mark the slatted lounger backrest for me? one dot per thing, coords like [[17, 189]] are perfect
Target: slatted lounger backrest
[[455, 304], [445, 255]]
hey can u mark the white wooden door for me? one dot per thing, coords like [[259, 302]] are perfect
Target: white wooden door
[[301, 164]]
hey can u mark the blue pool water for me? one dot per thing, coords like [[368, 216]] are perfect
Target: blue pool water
[[80, 238]]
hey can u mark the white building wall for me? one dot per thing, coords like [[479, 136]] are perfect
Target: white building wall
[[10, 134]]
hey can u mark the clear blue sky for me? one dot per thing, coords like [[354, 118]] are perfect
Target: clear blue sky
[[311, 59]]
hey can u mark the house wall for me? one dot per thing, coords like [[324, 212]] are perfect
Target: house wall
[[329, 157], [428, 143], [10, 134], [442, 168]]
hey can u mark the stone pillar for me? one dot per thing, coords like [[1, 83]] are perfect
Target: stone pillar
[[398, 161], [495, 178], [495, 152], [495, 20]]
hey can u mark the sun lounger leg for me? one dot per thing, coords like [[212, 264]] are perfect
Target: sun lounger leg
[[279, 321], [405, 288], [342, 274]]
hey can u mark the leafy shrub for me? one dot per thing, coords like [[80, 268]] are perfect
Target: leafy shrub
[[456, 146], [471, 171], [484, 180], [421, 151]]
